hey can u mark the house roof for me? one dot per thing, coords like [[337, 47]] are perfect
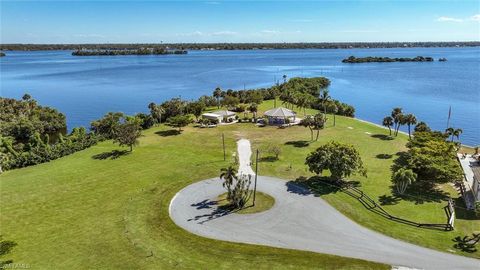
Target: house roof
[[211, 115], [280, 112], [224, 113]]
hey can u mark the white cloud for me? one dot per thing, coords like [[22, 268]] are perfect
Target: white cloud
[[191, 34], [475, 17], [270, 32], [89, 36], [448, 19], [223, 33]]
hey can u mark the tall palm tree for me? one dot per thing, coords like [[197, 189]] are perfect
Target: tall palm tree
[[449, 132], [253, 108], [332, 107], [324, 95], [410, 120], [217, 93], [396, 114], [457, 133], [160, 112], [388, 122], [229, 175]]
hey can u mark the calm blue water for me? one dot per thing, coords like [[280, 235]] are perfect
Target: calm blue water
[[85, 88]]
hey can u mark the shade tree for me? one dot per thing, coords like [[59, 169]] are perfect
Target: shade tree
[[342, 160]]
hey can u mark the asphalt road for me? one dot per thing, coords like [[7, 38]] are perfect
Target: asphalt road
[[299, 220]]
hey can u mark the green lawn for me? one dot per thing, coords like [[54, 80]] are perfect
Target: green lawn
[[79, 212]]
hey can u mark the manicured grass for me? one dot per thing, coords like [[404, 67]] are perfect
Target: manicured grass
[[263, 202], [78, 212]]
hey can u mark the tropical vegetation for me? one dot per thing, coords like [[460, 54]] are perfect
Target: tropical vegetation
[[369, 59]]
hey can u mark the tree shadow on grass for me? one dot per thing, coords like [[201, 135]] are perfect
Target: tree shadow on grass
[[316, 185], [384, 156], [6, 247], [467, 243], [382, 137], [114, 154], [167, 133], [423, 192], [388, 200], [298, 144], [217, 210]]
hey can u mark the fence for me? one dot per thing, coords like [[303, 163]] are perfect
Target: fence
[[371, 205]]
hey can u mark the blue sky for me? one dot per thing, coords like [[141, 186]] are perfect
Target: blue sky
[[238, 21]]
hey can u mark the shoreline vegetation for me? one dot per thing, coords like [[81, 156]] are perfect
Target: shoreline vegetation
[[370, 59], [140, 51], [236, 46]]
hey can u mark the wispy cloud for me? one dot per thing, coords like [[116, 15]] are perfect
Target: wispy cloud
[[212, 3], [223, 33], [448, 19], [191, 34], [475, 17], [270, 32], [88, 36]]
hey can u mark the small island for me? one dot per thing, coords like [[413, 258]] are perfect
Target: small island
[[370, 59], [2, 54], [442, 59], [140, 51]]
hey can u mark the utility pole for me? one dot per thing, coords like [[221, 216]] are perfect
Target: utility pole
[[256, 173], [223, 142]]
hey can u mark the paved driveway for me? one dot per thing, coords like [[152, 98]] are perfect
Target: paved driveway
[[299, 220]]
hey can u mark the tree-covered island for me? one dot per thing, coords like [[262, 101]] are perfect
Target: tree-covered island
[[369, 59], [139, 51]]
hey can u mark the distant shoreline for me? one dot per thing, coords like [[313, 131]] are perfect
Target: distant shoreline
[[237, 46]]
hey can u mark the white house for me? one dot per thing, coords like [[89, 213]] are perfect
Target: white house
[[223, 116]]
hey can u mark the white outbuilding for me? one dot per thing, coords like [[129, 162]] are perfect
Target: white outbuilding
[[222, 116]]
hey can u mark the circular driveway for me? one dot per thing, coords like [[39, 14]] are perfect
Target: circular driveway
[[299, 220]]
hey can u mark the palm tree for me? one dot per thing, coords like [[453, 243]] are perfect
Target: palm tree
[[410, 120], [332, 107], [284, 78], [388, 122], [324, 95], [457, 133], [403, 178], [449, 132], [253, 108], [396, 114], [229, 175], [160, 112], [217, 93]]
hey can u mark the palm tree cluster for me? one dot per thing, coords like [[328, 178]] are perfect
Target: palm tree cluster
[[238, 186], [397, 119], [453, 132]]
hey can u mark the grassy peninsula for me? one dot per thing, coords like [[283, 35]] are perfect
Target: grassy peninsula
[[113, 212]]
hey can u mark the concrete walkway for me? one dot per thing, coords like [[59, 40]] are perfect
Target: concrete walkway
[[299, 220]]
